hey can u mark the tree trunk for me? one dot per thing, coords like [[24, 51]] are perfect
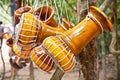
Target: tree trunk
[[88, 57], [114, 43]]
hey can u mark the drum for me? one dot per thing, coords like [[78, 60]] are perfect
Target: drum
[[40, 57], [22, 10], [8, 37], [60, 53], [20, 52], [26, 35], [64, 46], [45, 14], [27, 31]]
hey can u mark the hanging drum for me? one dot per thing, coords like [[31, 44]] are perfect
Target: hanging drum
[[26, 35], [42, 59], [27, 30], [20, 11], [31, 32], [45, 14], [61, 47], [8, 37], [61, 54]]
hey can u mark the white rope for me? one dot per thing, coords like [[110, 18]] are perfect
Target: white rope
[[46, 10], [35, 4], [67, 13]]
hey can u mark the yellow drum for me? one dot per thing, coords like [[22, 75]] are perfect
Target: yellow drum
[[26, 35], [20, 52], [42, 59], [27, 30], [60, 53], [62, 46], [31, 32]]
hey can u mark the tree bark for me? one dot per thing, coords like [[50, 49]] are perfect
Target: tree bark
[[88, 57], [114, 43]]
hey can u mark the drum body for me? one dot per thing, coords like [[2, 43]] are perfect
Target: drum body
[[62, 47], [61, 54], [42, 59], [20, 11], [27, 30], [26, 35]]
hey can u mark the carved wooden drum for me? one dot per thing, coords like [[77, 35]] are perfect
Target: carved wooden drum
[[46, 14], [41, 58], [26, 34], [27, 31], [22, 10], [60, 53]]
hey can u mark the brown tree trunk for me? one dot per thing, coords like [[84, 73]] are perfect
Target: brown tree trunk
[[114, 43], [88, 57]]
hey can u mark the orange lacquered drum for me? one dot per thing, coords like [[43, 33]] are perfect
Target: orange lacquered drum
[[42, 59], [8, 37], [27, 32], [45, 14], [22, 10], [62, 47], [20, 52], [60, 53]]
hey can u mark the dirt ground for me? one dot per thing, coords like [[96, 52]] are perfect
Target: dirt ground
[[23, 74]]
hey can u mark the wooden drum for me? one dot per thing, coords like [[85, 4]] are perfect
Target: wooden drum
[[64, 46], [60, 52], [20, 11], [41, 58], [27, 30], [26, 35], [45, 14]]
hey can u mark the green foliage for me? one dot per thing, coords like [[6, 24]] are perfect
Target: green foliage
[[5, 14], [118, 11]]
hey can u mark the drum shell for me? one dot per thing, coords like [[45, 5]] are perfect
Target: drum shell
[[40, 57], [60, 53]]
